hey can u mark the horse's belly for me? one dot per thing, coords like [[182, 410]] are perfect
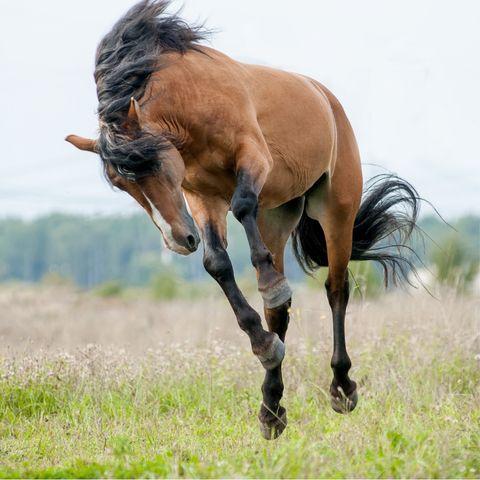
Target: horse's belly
[[298, 164], [284, 183]]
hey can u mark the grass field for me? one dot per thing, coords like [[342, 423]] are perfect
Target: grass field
[[96, 387]]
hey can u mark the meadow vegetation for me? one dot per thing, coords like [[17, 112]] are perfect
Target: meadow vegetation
[[178, 395], [119, 362]]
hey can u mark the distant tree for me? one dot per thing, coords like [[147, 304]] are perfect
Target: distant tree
[[165, 285], [455, 264], [112, 288], [93, 250], [54, 279]]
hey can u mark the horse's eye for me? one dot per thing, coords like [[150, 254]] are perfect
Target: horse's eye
[[126, 173]]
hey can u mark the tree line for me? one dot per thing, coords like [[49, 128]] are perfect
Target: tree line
[[92, 250]]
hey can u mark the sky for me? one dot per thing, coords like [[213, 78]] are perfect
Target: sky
[[406, 72]]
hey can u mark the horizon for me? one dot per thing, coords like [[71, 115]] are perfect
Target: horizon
[[423, 215]]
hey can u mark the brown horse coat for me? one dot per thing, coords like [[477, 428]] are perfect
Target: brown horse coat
[[275, 148], [278, 125]]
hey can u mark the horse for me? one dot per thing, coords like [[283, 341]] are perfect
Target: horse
[[182, 123]]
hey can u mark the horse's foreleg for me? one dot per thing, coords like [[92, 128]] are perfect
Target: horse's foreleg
[[272, 284], [210, 216], [275, 227]]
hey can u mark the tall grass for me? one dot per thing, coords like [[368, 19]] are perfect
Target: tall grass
[[180, 410]]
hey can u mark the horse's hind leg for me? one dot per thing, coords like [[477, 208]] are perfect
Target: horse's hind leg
[[275, 228], [336, 215]]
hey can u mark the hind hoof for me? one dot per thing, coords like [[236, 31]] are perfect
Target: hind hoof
[[273, 355], [342, 403], [272, 426]]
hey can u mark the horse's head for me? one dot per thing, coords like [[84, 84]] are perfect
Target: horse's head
[[158, 190]]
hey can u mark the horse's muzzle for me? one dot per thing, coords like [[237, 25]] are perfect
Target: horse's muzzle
[[184, 238], [190, 242]]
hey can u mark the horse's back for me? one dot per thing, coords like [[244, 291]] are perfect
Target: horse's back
[[295, 119], [297, 123], [225, 101]]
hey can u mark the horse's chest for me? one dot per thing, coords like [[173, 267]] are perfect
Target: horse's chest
[[211, 181]]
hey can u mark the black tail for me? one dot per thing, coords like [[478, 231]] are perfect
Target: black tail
[[380, 232]]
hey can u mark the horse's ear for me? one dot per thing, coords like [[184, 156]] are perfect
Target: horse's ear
[[82, 143], [133, 116]]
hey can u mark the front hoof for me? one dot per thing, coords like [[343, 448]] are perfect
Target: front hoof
[[273, 354], [272, 426], [341, 402]]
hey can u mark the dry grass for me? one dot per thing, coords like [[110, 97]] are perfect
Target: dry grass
[[115, 387]]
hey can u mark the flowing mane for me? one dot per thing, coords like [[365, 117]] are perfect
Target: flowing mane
[[125, 59]]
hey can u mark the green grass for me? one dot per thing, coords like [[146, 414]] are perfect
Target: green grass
[[182, 413]]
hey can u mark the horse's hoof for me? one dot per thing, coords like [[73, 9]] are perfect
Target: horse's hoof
[[342, 403], [273, 355], [273, 427]]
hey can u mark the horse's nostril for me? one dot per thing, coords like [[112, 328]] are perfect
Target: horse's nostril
[[191, 241]]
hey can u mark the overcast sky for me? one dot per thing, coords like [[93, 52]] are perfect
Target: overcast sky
[[407, 73]]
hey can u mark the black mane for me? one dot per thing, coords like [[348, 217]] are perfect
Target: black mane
[[125, 59]]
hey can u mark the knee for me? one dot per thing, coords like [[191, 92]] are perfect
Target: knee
[[244, 203], [217, 264]]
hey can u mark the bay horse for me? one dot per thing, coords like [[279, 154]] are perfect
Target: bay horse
[[181, 122]]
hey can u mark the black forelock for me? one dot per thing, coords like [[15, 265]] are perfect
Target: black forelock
[[125, 59]]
